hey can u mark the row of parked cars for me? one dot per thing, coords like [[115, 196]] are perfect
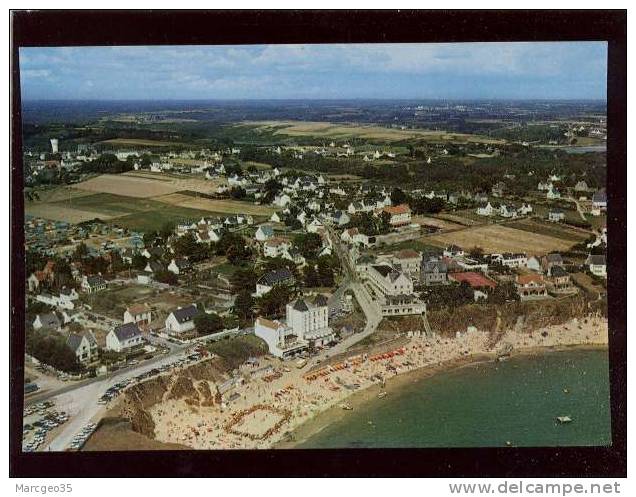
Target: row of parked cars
[[80, 439], [116, 389], [39, 428]]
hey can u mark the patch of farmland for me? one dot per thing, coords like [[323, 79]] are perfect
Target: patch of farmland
[[57, 193], [55, 212], [142, 143], [180, 182], [497, 238], [128, 186], [220, 206], [550, 229], [371, 132], [110, 205], [156, 219]]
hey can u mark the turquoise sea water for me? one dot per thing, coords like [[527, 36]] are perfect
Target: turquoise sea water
[[487, 405]]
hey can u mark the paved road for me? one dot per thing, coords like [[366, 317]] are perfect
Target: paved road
[[81, 402], [370, 309], [131, 370]]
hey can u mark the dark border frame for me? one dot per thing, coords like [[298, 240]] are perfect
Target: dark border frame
[[110, 27]]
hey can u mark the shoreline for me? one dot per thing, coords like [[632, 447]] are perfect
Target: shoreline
[[359, 399], [315, 401]]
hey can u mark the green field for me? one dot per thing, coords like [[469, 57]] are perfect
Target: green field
[[158, 217]]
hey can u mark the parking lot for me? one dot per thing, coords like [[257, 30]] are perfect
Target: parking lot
[[39, 421]]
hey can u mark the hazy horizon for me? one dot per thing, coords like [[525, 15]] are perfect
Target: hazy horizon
[[400, 71]]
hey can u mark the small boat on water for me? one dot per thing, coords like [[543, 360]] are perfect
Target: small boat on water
[[564, 419], [381, 395], [565, 390], [346, 407]]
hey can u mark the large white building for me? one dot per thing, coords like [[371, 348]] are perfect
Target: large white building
[[389, 281], [307, 325], [309, 318]]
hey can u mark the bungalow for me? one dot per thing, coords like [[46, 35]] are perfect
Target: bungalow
[[597, 265], [477, 282], [550, 261], [84, 346], [486, 210], [277, 217], [508, 211], [581, 186], [433, 272], [154, 267], [264, 232], [179, 266], [48, 321], [92, 284], [124, 337], [314, 226], [560, 281], [139, 314], [181, 320], [339, 218], [453, 251], [509, 259], [553, 193], [348, 234], [409, 261], [400, 215], [599, 200], [282, 200], [276, 247], [556, 215], [531, 286], [273, 278]]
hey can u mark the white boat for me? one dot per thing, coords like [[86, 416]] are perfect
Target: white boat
[[564, 419]]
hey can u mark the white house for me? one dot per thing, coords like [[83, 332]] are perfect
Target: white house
[[597, 265], [49, 320], [511, 260], [486, 210], [92, 284], [181, 320], [556, 215], [280, 338], [179, 266], [276, 247], [273, 278], [400, 215], [309, 319], [264, 232], [84, 346], [124, 337], [139, 314]]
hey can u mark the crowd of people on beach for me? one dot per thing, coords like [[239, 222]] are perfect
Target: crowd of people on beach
[[295, 396]]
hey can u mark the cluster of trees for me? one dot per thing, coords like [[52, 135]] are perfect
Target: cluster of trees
[[51, 349], [419, 205], [109, 163], [207, 324], [371, 225], [320, 274]]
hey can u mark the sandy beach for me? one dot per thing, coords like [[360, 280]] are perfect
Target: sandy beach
[[281, 408]]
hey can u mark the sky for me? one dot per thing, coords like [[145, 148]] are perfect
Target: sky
[[554, 70]]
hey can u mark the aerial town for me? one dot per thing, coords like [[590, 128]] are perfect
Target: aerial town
[[220, 294]]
